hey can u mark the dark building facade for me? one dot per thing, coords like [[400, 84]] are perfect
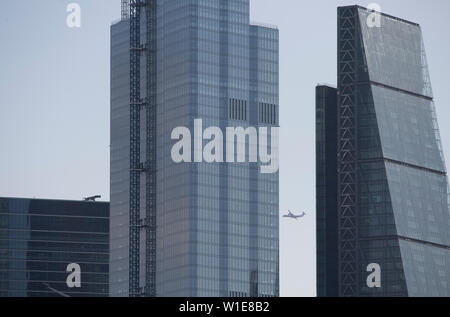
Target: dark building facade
[[388, 182], [191, 229], [40, 238], [326, 190]]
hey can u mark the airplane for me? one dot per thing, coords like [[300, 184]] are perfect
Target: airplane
[[291, 215]]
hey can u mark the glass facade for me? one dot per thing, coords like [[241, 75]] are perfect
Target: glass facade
[[40, 238], [216, 223], [119, 157], [398, 200]]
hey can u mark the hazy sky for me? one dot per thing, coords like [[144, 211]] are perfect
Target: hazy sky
[[54, 102]]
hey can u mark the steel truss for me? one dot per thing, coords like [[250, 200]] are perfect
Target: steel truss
[[348, 152]]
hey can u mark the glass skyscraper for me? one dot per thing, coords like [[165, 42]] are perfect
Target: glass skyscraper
[[382, 188], [38, 240], [206, 229]]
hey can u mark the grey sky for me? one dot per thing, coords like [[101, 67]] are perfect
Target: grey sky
[[54, 102]]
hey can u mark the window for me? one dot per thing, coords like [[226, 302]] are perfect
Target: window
[[237, 109], [268, 113]]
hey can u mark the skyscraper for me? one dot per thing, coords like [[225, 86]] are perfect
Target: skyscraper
[[383, 190], [190, 229], [40, 238]]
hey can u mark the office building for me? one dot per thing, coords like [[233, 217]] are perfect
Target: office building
[[40, 239], [326, 190], [191, 229], [382, 191]]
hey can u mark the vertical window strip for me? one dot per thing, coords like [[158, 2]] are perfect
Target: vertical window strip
[[245, 110], [274, 114], [271, 114]]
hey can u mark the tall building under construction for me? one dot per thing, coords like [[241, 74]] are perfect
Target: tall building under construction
[[190, 229]]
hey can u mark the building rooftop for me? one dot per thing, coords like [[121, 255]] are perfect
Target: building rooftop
[[383, 14], [49, 199]]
